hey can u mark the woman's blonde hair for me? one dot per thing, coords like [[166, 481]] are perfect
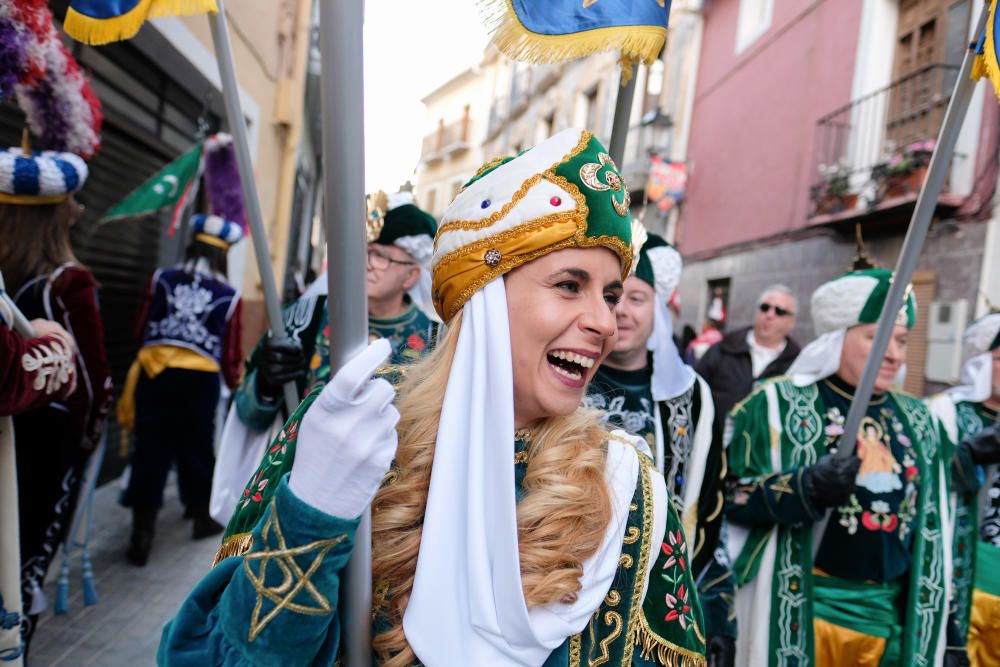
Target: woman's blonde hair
[[561, 520]]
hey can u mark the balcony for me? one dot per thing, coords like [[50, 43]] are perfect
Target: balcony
[[872, 154], [448, 141]]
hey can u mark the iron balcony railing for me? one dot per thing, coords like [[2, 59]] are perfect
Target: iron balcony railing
[[855, 142]]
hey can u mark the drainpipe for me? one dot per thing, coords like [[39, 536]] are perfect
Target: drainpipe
[[288, 121]]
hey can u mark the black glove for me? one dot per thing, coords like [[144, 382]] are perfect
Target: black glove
[[281, 362], [720, 651], [984, 447], [956, 657], [831, 480]]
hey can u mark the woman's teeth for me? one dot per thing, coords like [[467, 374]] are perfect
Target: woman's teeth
[[572, 375], [578, 359]]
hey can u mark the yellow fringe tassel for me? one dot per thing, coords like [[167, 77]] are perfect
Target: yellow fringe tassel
[[237, 545], [637, 43], [651, 646], [95, 31], [987, 63]]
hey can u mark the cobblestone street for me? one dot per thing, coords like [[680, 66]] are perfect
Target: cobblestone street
[[124, 627]]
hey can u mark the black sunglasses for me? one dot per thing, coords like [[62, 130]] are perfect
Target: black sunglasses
[[778, 310]]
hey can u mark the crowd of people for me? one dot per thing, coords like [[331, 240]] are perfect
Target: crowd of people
[[553, 476]]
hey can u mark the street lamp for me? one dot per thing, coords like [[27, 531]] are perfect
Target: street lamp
[[657, 128]]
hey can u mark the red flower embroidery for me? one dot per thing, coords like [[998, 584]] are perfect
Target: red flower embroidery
[[911, 473], [679, 607], [676, 549], [415, 342]]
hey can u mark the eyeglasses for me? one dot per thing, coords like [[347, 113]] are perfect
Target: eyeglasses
[[778, 310], [380, 262]]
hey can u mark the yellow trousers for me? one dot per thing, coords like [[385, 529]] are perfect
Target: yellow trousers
[[984, 630], [837, 646]]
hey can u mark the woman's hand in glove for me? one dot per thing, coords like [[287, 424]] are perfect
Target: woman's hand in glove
[[347, 439], [831, 480]]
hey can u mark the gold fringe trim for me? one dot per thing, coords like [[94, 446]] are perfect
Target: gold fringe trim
[[653, 646], [237, 545], [96, 31], [986, 65], [635, 42]]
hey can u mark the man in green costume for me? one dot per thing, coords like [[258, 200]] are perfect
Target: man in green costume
[[645, 387], [400, 244], [840, 561], [966, 412]]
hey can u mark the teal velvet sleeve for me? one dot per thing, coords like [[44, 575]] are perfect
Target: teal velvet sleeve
[[276, 604]]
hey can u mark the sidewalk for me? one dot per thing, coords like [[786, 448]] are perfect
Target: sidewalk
[[124, 627]]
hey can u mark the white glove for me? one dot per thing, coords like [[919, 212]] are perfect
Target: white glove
[[347, 439]]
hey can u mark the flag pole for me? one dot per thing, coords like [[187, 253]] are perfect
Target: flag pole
[[238, 128], [923, 212], [623, 112], [344, 213]]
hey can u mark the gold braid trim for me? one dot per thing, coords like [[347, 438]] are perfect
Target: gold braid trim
[[236, 545], [652, 645]]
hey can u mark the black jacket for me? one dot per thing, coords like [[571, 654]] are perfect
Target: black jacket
[[727, 368]]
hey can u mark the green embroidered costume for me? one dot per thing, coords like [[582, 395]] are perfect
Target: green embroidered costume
[[889, 537]]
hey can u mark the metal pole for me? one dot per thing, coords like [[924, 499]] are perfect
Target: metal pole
[[915, 235], [344, 210], [238, 128], [619, 126], [20, 323]]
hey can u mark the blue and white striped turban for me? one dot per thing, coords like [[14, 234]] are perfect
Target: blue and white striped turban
[[43, 177], [215, 227]]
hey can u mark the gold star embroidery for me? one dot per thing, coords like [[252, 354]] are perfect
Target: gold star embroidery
[[780, 484], [293, 581]]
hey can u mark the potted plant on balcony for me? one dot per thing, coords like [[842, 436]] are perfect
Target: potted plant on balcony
[[904, 171], [832, 194]]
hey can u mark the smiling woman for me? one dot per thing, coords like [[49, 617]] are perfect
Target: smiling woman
[[512, 526]]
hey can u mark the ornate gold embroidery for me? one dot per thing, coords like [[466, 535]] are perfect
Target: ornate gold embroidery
[[780, 484], [635, 611], [625, 561], [614, 619], [612, 181], [294, 580], [612, 598], [520, 457], [632, 535], [575, 650]]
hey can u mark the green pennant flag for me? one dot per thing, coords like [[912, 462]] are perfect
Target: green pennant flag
[[167, 189]]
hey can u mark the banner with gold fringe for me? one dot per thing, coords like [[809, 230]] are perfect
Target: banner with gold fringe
[[103, 21], [986, 64], [548, 31]]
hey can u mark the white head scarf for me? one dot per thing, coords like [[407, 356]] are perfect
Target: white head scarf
[[976, 378], [671, 376]]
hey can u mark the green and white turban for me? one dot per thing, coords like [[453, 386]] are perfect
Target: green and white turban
[[852, 299], [978, 343]]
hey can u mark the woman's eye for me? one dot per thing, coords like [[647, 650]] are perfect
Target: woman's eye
[[570, 286], [612, 298]]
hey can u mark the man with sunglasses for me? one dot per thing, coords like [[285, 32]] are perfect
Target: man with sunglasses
[[745, 357], [400, 245]]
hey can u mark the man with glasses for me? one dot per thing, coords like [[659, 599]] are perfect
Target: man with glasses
[[745, 357], [400, 245]]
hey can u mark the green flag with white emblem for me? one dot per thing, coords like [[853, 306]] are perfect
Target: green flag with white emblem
[[168, 189]]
